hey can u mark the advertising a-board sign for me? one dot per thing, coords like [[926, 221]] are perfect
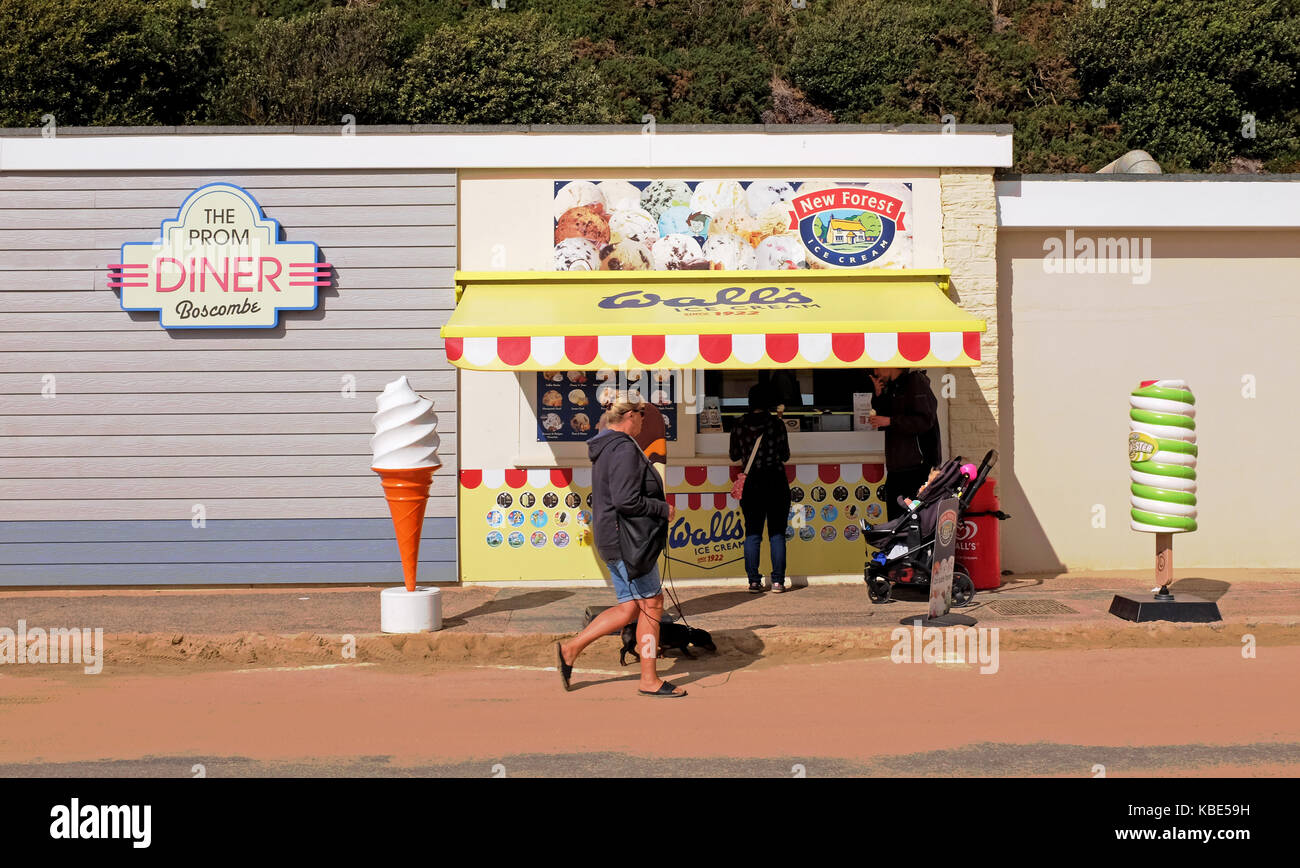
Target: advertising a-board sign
[[945, 546], [219, 263]]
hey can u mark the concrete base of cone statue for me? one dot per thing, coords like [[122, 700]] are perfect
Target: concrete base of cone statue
[[403, 611]]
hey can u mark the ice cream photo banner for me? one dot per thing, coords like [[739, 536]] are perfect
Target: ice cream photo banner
[[731, 225], [219, 263]]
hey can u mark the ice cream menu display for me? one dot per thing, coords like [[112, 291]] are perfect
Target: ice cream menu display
[[728, 225], [569, 403]]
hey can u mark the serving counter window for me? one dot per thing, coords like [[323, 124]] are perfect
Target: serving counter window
[[817, 405]]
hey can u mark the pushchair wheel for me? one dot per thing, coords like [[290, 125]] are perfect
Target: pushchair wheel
[[877, 590], [963, 589]]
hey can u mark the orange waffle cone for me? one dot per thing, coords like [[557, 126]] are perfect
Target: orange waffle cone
[[407, 493]]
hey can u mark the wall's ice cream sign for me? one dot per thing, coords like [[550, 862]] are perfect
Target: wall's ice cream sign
[[219, 264], [731, 297]]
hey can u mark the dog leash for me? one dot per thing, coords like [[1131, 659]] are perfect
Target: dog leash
[[672, 589]]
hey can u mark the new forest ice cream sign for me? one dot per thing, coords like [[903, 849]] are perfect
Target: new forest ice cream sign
[[847, 226], [219, 264]]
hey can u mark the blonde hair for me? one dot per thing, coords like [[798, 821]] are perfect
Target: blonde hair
[[617, 412]]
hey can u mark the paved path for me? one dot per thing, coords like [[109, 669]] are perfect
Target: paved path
[[1240, 594], [1163, 711]]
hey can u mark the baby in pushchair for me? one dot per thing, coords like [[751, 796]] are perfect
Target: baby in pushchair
[[906, 544]]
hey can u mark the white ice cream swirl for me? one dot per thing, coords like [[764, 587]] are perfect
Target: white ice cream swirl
[[406, 429]]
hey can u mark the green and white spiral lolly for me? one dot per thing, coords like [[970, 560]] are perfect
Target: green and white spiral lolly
[[1162, 457]]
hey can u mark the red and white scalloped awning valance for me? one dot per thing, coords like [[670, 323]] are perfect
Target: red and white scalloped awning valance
[[681, 479], [709, 320], [840, 349]]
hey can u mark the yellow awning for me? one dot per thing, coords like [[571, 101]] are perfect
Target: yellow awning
[[532, 321]]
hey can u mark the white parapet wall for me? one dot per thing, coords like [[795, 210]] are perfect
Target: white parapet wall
[[592, 148]]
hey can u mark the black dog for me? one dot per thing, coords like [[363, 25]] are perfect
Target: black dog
[[670, 636]]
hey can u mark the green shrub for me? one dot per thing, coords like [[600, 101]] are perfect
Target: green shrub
[[500, 67], [104, 62], [1180, 75], [313, 69]]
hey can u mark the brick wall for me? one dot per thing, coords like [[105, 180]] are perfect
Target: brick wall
[[970, 225]]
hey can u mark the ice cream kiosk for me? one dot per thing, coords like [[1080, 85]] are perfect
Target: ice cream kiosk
[[685, 293]]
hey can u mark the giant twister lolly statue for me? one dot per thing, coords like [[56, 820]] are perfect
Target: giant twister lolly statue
[[405, 448], [1162, 471]]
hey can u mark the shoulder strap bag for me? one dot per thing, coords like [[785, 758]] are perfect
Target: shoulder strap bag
[[738, 487]]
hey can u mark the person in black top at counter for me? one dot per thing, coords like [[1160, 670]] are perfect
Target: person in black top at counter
[[907, 411], [766, 495]]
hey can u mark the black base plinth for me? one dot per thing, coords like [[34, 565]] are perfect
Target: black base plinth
[[952, 619], [1183, 607]]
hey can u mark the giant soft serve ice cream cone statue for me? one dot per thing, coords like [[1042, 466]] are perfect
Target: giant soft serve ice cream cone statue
[[405, 448]]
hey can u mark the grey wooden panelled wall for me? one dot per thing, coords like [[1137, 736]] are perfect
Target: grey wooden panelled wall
[[115, 433]]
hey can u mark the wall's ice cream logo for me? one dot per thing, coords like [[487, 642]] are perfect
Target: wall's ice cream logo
[[219, 264], [848, 226], [763, 298]]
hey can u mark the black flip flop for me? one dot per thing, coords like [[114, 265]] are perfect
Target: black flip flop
[[566, 671], [665, 689]]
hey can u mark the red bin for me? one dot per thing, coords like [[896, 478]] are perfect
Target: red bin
[[977, 539]]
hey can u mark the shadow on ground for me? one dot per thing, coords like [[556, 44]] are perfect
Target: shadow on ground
[[737, 649], [508, 603], [713, 602], [1206, 589]]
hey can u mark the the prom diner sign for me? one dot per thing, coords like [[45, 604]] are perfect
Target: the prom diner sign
[[219, 264]]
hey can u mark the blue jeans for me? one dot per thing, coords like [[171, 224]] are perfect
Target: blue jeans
[[753, 546], [765, 500]]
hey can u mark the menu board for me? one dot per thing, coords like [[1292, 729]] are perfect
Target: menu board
[[569, 403]]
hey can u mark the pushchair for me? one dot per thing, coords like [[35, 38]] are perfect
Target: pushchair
[[906, 544]]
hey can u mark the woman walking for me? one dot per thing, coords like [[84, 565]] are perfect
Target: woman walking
[[759, 441], [630, 518]]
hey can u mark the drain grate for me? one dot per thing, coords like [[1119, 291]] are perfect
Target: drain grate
[[1031, 607]]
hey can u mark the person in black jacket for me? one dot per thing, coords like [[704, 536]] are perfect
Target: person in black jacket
[[766, 495], [908, 412], [626, 489]]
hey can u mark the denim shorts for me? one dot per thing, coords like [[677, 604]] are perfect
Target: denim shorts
[[638, 588]]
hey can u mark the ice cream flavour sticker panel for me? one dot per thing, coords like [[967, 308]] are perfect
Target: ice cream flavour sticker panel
[[536, 524], [731, 225]]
